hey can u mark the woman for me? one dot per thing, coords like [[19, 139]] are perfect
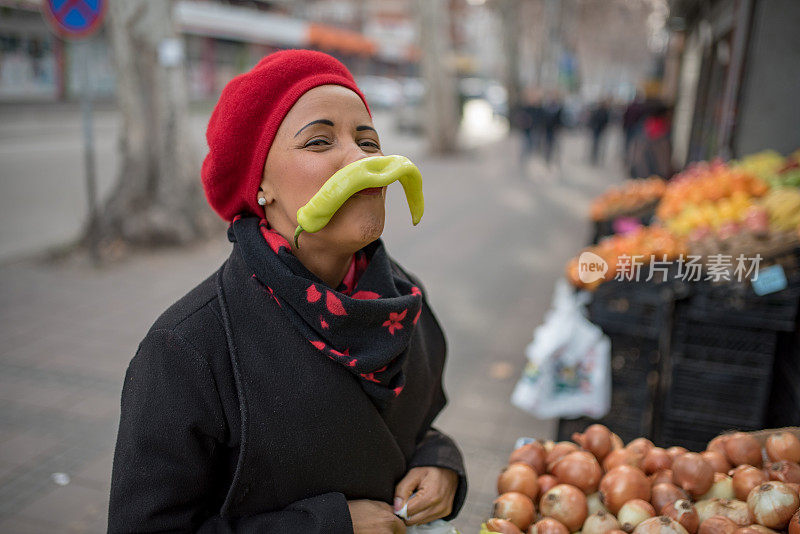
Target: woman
[[294, 390]]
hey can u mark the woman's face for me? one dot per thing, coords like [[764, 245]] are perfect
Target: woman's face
[[327, 128]]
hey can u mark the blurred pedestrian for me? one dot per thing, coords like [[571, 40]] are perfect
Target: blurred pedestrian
[[531, 124], [552, 121], [631, 122], [598, 121], [294, 389], [651, 146]]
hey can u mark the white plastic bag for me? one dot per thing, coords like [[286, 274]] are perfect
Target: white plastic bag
[[568, 373]]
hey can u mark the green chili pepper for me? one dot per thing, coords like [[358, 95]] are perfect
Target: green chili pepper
[[375, 171]]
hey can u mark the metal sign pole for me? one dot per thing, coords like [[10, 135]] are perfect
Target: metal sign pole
[[88, 151]]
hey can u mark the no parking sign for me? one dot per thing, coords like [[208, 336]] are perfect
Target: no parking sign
[[74, 19]]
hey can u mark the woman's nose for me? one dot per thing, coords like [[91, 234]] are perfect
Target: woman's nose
[[355, 152]]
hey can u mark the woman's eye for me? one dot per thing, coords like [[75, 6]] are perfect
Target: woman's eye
[[317, 142], [372, 144]]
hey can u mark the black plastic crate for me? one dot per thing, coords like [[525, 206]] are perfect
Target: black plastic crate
[[718, 393], [736, 304], [638, 309], [710, 342], [694, 433]]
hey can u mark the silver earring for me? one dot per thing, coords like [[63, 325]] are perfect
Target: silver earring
[[262, 201]]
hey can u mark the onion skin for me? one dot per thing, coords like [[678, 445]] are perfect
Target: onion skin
[[794, 523], [532, 454], [706, 509], [634, 512], [674, 452], [684, 513], [755, 529], [579, 469], [566, 504], [656, 459], [600, 523], [718, 461], [622, 457], [560, 449], [518, 477], [718, 444], [616, 442], [660, 525], [773, 504], [735, 510], [784, 471], [546, 483], [596, 439], [721, 489], [717, 525], [741, 448], [665, 494], [692, 473], [622, 484], [783, 446], [595, 504], [548, 525], [515, 507], [745, 478], [661, 476], [640, 445], [502, 526]]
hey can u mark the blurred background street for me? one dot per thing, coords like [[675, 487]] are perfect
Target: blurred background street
[[518, 113]]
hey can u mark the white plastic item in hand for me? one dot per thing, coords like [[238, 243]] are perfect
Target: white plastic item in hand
[[435, 527]]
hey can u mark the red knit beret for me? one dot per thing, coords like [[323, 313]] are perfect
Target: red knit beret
[[247, 116]]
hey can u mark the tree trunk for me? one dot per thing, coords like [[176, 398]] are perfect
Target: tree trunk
[[441, 97], [158, 199]]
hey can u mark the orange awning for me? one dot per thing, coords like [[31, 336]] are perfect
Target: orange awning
[[332, 38]]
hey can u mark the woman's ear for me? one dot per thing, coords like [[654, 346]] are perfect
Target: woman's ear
[[266, 194]]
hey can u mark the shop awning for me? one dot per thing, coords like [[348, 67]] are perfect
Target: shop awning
[[340, 40]]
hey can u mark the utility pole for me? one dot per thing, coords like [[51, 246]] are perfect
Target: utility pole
[[441, 98], [509, 13]]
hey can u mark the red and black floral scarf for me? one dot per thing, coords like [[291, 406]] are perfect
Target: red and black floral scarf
[[365, 324]]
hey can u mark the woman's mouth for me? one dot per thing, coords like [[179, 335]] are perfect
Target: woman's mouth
[[371, 191]]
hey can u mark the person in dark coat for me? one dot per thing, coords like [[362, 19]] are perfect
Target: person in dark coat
[[295, 389], [598, 120]]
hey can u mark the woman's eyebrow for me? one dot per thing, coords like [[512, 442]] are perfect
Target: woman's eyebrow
[[318, 121]]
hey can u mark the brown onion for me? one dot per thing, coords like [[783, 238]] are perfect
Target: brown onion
[[546, 483], [706, 509], [666, 493], [741, 448], [548, 525], [640, 445], [502, 526], [579, 469], [661, 476], [532, 454], [692, 473], [548, 445], [515, 507], [794, 523], [684, 513], [596, 439], [794, 486], [674, 452], [783, 446], [717, 525], [600, 523], [773, 504], [718, 444], [622, 457], [735, 510], [617, 532], [755, 529], [594, 503], [622, 484], [721, 489], [745, 478], [656, 459], [616, 442], [560, 449], [718, 461], [634, 512], [518, 477], [784, 471], [566, 504], [660, 525]]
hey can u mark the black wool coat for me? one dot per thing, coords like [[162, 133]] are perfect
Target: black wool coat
[[233, 422]]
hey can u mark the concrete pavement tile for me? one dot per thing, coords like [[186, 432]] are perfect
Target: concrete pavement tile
[[21, 447], [72, 504], [43, 395], [95, 406], [23, 525], [96, 473]]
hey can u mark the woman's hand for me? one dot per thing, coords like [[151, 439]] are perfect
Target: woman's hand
[[374, 517], [435, 489]]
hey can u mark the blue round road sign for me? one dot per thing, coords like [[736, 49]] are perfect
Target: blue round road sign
[[74, 18]]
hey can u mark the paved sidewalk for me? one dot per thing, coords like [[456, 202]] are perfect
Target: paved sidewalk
[[493, 242]]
